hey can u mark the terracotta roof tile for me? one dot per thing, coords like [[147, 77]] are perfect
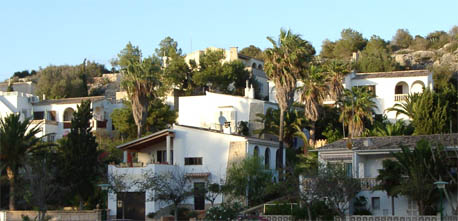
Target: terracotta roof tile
[[388, 143]]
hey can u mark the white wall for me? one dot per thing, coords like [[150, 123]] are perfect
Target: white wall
[[16, 102], [385, 88], [204, 111]]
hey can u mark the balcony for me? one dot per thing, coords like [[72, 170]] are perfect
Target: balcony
[[67, 124], [137, 170], [44, 121], [367, 184], [400, 97]]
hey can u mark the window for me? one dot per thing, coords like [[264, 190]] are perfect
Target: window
[[398, 89], [193, 161], [52, 115], [375, 203], [51, 138], [267, 158], [349, 169], [161, 156], [38, 115], [256, 151]]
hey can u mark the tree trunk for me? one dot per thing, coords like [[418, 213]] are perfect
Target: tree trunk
[[11, 179], [280, 137], [392, 205], [312, 134], [176, 213], [309, 213], [81, 205], [139, 131]]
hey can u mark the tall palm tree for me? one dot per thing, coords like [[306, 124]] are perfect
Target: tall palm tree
[[336, 71], [284, 63], [17, 140], [357, 105], [312, 93], [142, 82]]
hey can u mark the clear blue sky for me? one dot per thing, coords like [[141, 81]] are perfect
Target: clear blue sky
[[35, 34]]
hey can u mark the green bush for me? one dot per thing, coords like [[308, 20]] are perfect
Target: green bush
[[280, 209], [225, 211], [184, 213], [151, 215]]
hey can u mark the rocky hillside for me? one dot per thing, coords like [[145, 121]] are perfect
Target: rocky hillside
[[411, 59]]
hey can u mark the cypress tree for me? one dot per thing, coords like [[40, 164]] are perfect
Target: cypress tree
[[80, 155]]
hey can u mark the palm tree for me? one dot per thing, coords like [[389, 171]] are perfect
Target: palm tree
[[17, 140], [357, 105], [391, 129], [142, 82], [313, 92], [336, 71], [389, 180], [407, 107], [284, 63], [294, 121]]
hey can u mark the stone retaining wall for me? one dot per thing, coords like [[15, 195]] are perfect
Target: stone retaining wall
[[57, 215]]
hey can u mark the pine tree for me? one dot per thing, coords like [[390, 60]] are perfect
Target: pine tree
[[80, 155]]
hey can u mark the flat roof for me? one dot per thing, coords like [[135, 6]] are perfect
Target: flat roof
[[392, 74], [160, 137], [73, 100]]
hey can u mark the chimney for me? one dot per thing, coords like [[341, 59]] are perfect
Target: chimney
[[233, 53], [247, 89], [367, 142]]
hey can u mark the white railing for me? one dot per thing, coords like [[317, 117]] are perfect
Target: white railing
[[400, 97], [366, 183], [388, 218]]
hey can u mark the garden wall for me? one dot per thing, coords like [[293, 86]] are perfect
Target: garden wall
[[57, 215]]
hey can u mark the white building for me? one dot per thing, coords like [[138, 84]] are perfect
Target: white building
[[221, 111], [203, 154], [364, 160], [55, 116], [389, 87]]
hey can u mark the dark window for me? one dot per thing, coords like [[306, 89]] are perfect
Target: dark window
[[39, 115], [193, 161], [267, 158], [199, 196], [375, 203], [349, 169], [256, 151], [398, 89], [161, 156]]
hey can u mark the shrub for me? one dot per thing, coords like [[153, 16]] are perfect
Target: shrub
[[151, 215], [184, 213], [280, 209], [225, 211]]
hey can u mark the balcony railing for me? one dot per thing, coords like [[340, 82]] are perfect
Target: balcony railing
[[400, 97], [366, 183], [67, 124]]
